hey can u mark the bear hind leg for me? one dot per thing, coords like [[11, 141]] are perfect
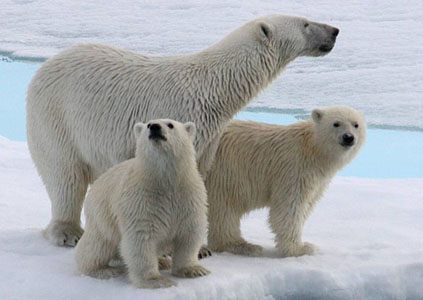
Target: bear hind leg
[[225, 233], [94, 255]]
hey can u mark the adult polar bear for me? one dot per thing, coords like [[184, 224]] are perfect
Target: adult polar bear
[[83, 103]]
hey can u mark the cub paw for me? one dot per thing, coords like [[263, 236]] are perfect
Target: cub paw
[[107, 273], [191, 272], [204, 252], [246, 249], [308, 249], [298, 250], [165, 263], [156, 282]]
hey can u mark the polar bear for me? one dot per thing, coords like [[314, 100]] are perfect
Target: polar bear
[[285, 168], [83, 103], [146, 206]]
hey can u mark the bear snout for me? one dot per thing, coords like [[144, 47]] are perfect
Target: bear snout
[[156, 132], [335, 33], [155, 127], [347, 140], [331, 34]]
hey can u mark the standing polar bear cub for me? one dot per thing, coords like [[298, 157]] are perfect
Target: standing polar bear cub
[[83, 103], [286, 168], [147, 206]]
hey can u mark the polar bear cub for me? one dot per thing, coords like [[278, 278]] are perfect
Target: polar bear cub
[[145, 207], [285, 168]]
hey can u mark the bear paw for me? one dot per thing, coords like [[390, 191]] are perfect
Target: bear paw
[[155, 282], [191, 272], [165, 263], [63, 233], [204, 252], [108, 272], [246, 249], [308, 249], [298, 250]]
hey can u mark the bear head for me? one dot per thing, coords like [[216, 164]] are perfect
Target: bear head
[[295, 36], [165, 136], [339, 131]]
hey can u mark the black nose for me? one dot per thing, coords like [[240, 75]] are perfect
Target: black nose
[[155, 127], [335, 32], [347, 139]]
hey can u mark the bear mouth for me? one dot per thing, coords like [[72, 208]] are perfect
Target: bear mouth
[[325, 48], [157, 137], [346, 145]]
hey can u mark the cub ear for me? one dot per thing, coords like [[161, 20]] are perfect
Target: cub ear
[[317, 115], [265, 31], [138, 128], [190, 128]]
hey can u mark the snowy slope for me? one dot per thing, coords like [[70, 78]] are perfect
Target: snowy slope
[[375, 66], [370, 234]]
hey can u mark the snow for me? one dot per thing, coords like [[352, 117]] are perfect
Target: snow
[[369, 232], [375, 66]]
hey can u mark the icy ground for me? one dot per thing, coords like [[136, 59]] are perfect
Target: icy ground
[[376, 65], [370, 234]]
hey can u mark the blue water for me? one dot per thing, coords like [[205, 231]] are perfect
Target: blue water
[[14, 79], [386, 154]]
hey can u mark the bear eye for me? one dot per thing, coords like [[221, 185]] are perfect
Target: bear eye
[[336, 124], [306, 25], [356, 125], [148, 125], [170, 125]]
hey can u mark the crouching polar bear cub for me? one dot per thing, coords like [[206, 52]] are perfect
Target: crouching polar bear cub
[[147, 206], [285, 168], [83, 103]]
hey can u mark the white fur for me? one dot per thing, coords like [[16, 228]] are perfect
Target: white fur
[[83, 103], [285, 168], [146, 206]]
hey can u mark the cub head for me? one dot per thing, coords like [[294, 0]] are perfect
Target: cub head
[[296, 36], [339, 131], [165, 136]]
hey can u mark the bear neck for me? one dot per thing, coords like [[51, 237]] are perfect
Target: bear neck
[[235, 74], [166, 169]]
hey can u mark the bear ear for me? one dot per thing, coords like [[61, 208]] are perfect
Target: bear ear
[[265, 31], [190, 128], [138, 128], [317, 115]]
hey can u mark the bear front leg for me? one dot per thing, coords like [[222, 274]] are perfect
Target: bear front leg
[[140, 255], [185, 256], [287, 217], [66, 189]]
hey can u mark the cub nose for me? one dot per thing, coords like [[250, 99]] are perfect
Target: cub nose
[[348, 139], [335, 32], [155, 127]]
